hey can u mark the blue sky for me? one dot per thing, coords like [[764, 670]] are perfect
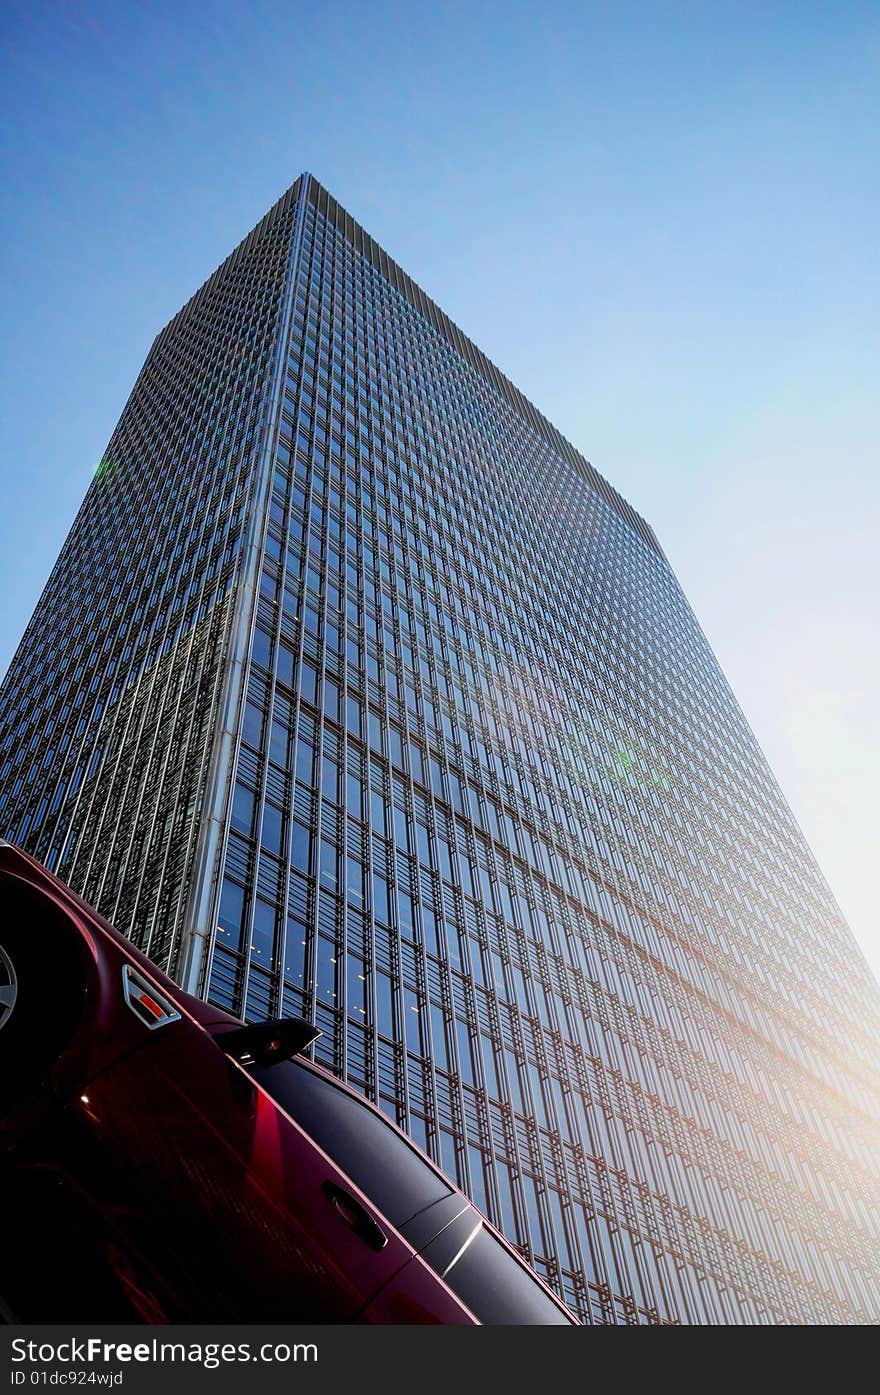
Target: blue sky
[[659, 219]]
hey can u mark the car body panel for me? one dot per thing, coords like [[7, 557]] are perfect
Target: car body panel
[[199, 1196]]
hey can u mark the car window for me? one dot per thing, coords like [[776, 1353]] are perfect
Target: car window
[[378, 1160], [494, 1285]]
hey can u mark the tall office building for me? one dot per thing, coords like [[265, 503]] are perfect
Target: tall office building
[[357, 693]]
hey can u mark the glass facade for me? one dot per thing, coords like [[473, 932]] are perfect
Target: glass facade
[[113, 703], [357, 693]]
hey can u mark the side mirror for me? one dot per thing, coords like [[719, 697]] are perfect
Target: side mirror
[[267, 1043]]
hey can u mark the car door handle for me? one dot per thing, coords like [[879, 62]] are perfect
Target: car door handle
[[355, 1215]]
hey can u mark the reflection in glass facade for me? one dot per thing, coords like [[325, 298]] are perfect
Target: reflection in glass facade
[[357, 693]]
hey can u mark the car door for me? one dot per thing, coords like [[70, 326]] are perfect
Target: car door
[[217, 1204], [388, 1189]]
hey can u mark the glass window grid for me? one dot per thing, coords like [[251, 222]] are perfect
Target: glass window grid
[[397, 612], [641, 1032]]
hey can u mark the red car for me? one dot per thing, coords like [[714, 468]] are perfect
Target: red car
[[161, 1162]]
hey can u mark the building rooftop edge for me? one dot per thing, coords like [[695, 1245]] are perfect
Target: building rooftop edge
[[323, 200]]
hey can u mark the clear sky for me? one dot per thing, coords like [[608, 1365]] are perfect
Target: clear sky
[[661, 220]]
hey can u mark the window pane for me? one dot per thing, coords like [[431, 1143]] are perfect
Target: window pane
[[243, 809], [230, 916], [495, 1287], [273, 821], [300, 846], [376, 1159], [263, 933]]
